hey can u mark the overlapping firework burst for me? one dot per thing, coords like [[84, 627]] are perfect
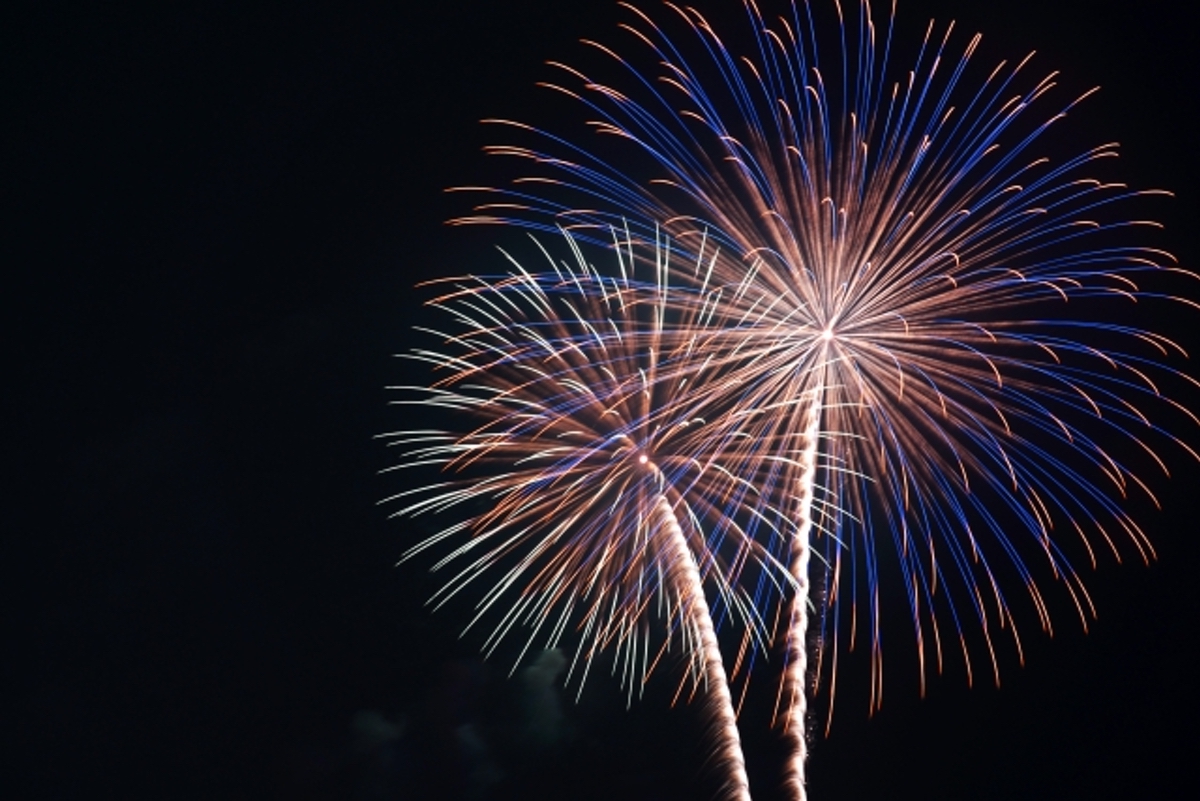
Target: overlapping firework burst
[[896, 339]]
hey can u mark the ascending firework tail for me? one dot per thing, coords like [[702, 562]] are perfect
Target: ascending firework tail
[[718, 707]]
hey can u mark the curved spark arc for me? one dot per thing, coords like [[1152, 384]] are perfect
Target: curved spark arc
[[906, 241], [614, 491]]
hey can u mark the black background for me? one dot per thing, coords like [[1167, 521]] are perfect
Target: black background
[[217, 216]]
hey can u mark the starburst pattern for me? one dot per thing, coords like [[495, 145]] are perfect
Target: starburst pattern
[[934, 304]]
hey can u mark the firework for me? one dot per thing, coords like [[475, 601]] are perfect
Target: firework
[[912, 273], [611, 491]]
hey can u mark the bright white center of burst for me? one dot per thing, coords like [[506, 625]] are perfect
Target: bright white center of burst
[[643, 459], [827, 335]]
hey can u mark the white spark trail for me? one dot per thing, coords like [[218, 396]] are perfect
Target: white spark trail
[[685, 574], [795, 680]]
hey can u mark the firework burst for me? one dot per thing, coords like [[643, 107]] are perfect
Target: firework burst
[[926, 299], [611, 491]]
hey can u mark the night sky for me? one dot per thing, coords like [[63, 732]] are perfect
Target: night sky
[[217, 215]]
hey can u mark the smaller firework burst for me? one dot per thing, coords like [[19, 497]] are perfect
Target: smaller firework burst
[[608, 474]]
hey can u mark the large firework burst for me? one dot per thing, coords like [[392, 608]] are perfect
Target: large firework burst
[[911, 272]]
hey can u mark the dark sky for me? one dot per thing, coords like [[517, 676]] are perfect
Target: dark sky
[[217, 214]]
